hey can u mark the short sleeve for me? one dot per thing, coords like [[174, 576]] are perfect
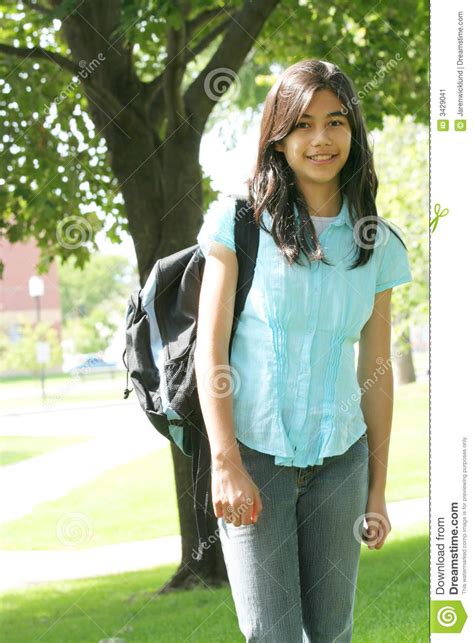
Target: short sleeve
[[394, 268], [218, 225]]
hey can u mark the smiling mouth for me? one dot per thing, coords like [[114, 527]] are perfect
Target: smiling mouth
[[320, 159]]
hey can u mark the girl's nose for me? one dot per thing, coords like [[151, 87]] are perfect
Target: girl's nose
[[321, 135]]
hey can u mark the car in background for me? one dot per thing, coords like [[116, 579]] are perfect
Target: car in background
[[93, 365]]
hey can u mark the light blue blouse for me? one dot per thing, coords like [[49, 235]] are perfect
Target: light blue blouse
[[296, 394]]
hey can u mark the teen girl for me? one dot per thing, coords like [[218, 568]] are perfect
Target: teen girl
[[299, 454]]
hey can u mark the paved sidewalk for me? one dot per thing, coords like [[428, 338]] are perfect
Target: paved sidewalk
[[21, 569], [121, 434], [46, 419]]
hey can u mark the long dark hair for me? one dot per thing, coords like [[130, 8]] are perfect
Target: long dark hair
[[272, 185]]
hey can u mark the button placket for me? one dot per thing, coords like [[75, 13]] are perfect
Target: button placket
[[304, 376], [316, 277]]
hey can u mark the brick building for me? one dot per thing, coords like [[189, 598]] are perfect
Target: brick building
[[20, 261]]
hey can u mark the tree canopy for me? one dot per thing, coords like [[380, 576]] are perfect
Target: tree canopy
[[76, 75]]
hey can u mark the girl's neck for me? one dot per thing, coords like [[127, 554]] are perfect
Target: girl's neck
[[324, 203]]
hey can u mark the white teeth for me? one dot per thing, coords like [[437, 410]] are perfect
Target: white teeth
[[321, 157]]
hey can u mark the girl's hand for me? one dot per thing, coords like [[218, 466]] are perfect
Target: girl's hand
[[235, 496], [378, 523]]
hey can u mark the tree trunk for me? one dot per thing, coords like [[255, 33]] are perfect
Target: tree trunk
[[404, 361]]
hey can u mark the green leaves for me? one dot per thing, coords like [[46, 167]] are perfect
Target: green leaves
[[54, 162], [401, 162], [92, 301]]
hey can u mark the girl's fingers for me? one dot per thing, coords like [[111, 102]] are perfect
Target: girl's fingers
[[372, 533], [257, 508], [377, 535], [385, 530]]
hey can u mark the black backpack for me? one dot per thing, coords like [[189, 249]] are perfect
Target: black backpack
[[161, 327]]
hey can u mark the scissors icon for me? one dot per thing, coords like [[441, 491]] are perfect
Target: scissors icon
[[438, 214]]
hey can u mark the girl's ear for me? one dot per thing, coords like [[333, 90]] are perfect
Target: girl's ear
[[278, 147]]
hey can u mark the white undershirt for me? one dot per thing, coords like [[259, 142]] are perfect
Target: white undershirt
[[320, 223]]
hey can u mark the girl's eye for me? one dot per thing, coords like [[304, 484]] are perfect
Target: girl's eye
[[299, 125]]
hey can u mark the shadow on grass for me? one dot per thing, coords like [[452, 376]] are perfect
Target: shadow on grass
[[392, 604]]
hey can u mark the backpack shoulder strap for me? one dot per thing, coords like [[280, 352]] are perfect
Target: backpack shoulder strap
[[246, 234]]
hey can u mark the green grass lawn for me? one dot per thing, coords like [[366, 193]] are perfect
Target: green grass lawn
[[17, 448], [408, 472], [137, 501], [391, 605]]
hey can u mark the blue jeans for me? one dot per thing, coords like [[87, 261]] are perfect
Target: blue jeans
[[293, 573]]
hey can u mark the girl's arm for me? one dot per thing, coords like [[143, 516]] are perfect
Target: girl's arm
[[232, 487], [214, 382], [375, 377]]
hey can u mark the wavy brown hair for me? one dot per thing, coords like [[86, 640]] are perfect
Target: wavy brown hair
[[272, 185]]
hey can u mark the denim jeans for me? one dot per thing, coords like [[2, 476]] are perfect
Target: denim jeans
[[293, 573]]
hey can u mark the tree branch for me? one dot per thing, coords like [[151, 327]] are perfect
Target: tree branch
[[104, 98], [37, 7], [40, 52], [173, 76], [240, 37], [202, 20], [192, 52], [155, 87]]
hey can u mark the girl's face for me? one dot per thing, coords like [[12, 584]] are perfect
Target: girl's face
[[321, 132]]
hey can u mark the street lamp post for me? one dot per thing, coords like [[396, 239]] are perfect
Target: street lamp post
[[36, 290]]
